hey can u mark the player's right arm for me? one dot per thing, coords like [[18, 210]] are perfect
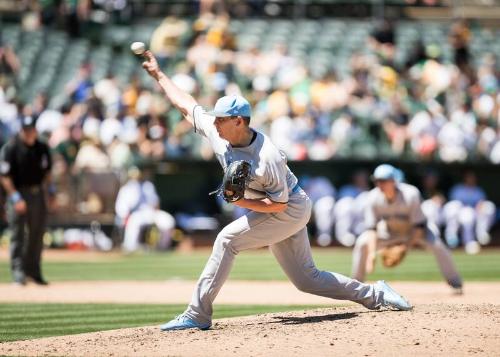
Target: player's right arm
[[183, 101]]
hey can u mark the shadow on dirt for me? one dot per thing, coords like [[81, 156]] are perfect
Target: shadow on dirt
[[292, 320]]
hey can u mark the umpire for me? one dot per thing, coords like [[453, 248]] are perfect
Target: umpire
[[25, 165]]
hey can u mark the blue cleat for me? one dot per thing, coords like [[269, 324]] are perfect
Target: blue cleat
[[391, 299], [183, 322], [452, 240]]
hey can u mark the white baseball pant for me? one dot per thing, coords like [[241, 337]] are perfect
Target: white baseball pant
[[475, 222], [142, 218]]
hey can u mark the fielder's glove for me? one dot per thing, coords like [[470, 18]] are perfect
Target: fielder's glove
[[393, 255], [234, 181]]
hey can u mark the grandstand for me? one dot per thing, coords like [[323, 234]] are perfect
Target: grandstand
[[318, 43], [324, 38]]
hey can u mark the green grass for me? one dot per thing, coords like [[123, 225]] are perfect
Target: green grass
[[28, 321], [258, 265]]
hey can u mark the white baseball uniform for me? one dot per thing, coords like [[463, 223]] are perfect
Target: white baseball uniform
[[468, 209], [136, 206], [349, 214], [322, 194], [285, 232], [394, 222]]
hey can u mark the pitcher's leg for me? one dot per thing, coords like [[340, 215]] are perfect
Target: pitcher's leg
[[294, 256], [254, 230]]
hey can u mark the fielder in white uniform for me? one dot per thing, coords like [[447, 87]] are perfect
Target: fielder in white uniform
[[349, 209], [279, 212], [470, 212], [137, 206], [321, 192], [394, 216]]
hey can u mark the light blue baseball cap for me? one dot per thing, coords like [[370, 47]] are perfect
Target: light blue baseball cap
[[386, 172], [231, 106], [400, 176]]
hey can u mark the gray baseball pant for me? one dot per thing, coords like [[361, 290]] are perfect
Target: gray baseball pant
[[286, 234]]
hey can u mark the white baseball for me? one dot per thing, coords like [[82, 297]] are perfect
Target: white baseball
[[138, 47]]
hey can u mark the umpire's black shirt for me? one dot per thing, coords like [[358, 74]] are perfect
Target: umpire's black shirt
[[25, 165]]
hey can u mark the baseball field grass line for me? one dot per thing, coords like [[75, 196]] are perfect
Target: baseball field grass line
[[29, 321], [254, 265]]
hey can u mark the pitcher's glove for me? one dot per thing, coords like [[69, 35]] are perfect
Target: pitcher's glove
[[234, 181], [393, 255]]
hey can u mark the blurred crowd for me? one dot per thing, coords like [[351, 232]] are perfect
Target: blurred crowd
[[425, 109]]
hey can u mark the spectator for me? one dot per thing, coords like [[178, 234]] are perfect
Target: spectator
[[430, 109], [9, 66], [459, 38], [165, 39], [91, 156], [79, 88]]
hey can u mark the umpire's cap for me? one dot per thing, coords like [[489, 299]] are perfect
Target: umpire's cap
[[28, 122]]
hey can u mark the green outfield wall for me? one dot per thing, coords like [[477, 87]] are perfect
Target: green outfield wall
[[187, 182]]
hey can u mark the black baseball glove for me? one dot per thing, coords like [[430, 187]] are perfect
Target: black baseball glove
[[234, 181]]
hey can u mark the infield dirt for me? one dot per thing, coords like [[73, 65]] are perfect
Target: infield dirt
[[440, 325], [428, 330]]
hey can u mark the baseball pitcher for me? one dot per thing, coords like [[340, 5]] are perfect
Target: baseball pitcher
[[257, 178], [394, 221]]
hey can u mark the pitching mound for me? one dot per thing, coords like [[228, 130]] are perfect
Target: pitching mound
[[447, 330]]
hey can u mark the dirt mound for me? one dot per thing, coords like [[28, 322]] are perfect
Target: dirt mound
[[434, 329]]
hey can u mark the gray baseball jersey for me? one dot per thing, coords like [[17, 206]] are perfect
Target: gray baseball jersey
[[400, 216], [284, 232], [270, 176]]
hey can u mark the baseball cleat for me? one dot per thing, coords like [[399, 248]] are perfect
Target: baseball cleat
[[391, 299], [456, 286], [183, 322], [472, 247], [452, 240], [483, 237]]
